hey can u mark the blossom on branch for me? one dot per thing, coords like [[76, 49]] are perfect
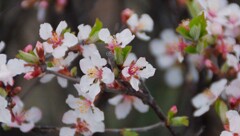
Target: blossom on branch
[[124, 105]]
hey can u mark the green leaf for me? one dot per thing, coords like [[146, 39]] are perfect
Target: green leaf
[[201, 22], [128, 132], [195, 32], [28, 57], [221, 109], [193, 7], [74, 71], [96, 28], [3, 92], [190, 49], [201, 46], [120, 54], [184, 32], [179, 121]]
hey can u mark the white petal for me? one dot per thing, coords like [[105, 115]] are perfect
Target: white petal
[[168, 35], [141, 62], [200, 100], [115, 100], [26, 127], [134, 83], [166, 61], [226, 133], [69, 40], [201, 111], [2, 46], [140, 106], [16, 66], [130, 58], [3, 59], [45, 31], [66, 131], [123, 109], [85, 83], [98, 61], [94, 90], [147, 22], [143, 36], [133, 21], [59, 52], [5, 116], [33, 115], [73, 102], [47, 78], [98, 115], [125, 72], [3, 103], [84, 31], [174, 77], [147, 72], [90, 50], [86, 64], [70, 117], [218, 86], [104, 35], [48, 47], [125, 37], [234, 121], [61, 26], [107, 75], [157, 47], [62, 82]]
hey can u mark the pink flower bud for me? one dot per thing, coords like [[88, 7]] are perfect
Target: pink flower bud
[[28, 48], [125, 15], [174, 109]]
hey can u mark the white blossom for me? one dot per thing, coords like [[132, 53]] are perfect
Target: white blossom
[[234, 121], [57, 42], [204, 100], [4, 112], [124, 105], [134, 70]]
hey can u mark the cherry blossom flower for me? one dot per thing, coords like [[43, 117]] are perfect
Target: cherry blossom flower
[[84, 32], [57, 42], [167, 50], [233, 89], [134, 70], [84, 105], [233, 61], [124, 105], [212, 7], [80, 124], [90, 50], [234, 121], [4, 112], [229, 16], [10, 69], [120, 39], [140, 25], [24, 120], [204, 100], [60, 65], [95, 73], [2, 46]]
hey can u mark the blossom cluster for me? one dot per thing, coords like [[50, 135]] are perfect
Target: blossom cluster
[[52, 56]]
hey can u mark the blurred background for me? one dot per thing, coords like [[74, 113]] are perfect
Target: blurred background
[[20, 26]]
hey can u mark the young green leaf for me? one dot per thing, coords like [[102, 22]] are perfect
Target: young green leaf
[[128, 132], [190, 49], [73, 71], [120, 54], [221, 109], [179, 121], [28, 57], [195, 32], [201, 22], [3, 93]]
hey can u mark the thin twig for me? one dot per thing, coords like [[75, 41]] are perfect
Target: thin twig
[[75, 80], [109, 130]]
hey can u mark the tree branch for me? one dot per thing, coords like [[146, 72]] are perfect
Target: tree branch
[[75, 80]]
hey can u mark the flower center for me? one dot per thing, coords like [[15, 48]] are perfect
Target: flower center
[[94, 73], [55, 40], [133, 69], [84, 105], [81, 126]]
